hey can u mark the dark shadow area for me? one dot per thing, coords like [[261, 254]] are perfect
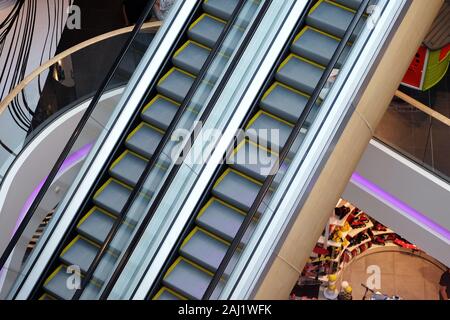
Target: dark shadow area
[[80, 75]]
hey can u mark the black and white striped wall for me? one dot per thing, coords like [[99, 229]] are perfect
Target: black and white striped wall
[[30, 31]]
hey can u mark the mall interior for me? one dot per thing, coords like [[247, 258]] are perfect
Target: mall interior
[[224, 150]]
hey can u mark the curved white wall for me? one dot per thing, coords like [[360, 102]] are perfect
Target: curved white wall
[[37, 159]]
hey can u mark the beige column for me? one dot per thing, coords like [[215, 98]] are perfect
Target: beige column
[[285, 270]]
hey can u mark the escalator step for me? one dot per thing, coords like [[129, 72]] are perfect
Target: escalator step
[[176, 84], [237, 189], [160, 112], [222, 219], [56, 283], [220, 8], [252, 160], [300, 73], [206, 30], [191, 57], [317, 46], [188, 279], [96, 225], [284, 102], [352, 4], [206, 250], [46, 296], [333, 19], [167, 294], [269, 131], [128, 168], [144, 140], [80, 252], [112, 196]]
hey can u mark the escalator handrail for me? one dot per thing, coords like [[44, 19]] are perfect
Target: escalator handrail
[[174, 252], [296, 131], [73, 138], [158, 151], [173, 172]]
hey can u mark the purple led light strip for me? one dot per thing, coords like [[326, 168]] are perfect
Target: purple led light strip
[[67, 164], [400, 205]]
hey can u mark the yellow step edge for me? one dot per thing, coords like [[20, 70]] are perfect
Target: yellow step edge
[[248, 141], [156, 98], [277, 83], [47, 295], [90, 212], [306, 28], [340, 6], [315, 7], [294, 56], [52, 275], [172, 70], [229, 170], [163, 289], [212, 235], [184, 46], [107, 183], [263, 112], [75, 240], [123, 155], [202, 17], [139, 127], [198, 229], [214, 199]]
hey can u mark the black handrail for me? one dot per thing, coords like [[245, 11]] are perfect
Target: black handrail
[[175, 169], [284, 153], [159, 150], [188, 228], [76, 133]]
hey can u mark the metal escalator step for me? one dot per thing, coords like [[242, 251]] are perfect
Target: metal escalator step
[[80, 252], [96, 224], [189, 280], [222, 219], [57, 283], [167, 294], [268, 130], [300, 73], [144, 140], [160, 112], [112, 196], [332, 18], [191, 57], [219, 8], [284, 102], [252, 160], [317, 46], [352, 4], [206, 30], [176, 84], [128, 168], [46, 296], [206, 250], [237, 189]]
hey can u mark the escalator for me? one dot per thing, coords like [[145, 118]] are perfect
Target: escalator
[[128, 163], [204, 243]]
